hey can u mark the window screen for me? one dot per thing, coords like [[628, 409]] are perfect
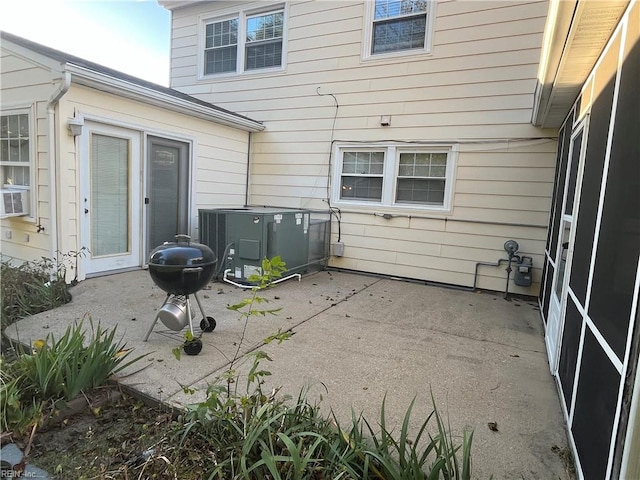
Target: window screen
[[264, 41], [14, 149], [362, 174], [619, 243], [399, 25], [221, 46], [421, 178]]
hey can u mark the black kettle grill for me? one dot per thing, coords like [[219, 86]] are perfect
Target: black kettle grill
[[181, 269]]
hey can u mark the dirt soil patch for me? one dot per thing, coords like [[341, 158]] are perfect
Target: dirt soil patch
[[116, 440]]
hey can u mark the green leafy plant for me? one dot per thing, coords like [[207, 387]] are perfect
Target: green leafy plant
[[16, 413], [35, 287], [64, 367], [189, 337], [406, 457], [271, 270], [259, 435], [59, 370]]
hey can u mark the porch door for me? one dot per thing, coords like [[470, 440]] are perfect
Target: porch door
[[562, 255], [110, 198], [167, 199]]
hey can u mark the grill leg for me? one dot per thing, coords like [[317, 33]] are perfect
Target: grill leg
[[204, 315], [146, 337], [189, 315]]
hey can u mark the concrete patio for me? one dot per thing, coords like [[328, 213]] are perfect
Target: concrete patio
[[356, 340]]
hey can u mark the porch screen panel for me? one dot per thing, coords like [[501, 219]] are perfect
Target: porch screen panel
[[569, 350], [590, 192], [619, 243], [110, 195], [595, 407]]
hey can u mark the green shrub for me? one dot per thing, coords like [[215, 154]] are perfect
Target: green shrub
[[29, 288], [59, 370], [254, 435], [258, 436], [16, 413]]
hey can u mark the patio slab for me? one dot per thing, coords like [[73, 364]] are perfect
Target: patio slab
[[357, 339]]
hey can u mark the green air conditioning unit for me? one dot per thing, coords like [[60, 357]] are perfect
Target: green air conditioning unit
[[242, 237]]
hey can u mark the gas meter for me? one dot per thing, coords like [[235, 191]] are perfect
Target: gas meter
[[524, 272]]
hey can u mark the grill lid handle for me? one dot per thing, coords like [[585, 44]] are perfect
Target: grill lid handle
[[186, 238], [191, 270]]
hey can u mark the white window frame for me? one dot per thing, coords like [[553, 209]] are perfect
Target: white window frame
[[367, 43], [392, 153], [28, 110], [243, 15]]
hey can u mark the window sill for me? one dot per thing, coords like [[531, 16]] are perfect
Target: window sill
[[393, 210], [234, 76], [401, 55]]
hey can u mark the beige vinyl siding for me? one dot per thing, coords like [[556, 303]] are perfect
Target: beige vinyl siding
[[477, 85], [27, 85], [220, 152]]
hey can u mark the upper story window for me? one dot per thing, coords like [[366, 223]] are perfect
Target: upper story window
[[395, 175], [399, 26], [15, 161], [245, 41], [221, 46]]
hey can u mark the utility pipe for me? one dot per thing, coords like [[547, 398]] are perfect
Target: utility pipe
[[488, 264], [240, 285], [53, 190]]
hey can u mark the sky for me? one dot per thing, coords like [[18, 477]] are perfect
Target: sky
[[132, 36]]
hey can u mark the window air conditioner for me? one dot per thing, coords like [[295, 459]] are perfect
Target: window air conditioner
[[14, 202]]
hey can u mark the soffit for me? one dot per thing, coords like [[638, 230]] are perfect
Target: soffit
[[590, 27]]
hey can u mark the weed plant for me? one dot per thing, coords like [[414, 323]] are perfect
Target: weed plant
[[261, 436], [56, 371], [34, 287], [257, 435]]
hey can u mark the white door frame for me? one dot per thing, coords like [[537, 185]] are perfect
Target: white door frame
[[558, 305], [92, 265]]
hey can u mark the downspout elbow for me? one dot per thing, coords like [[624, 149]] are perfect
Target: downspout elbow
[[52, 153]]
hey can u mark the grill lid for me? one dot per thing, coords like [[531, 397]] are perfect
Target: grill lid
[[182, 253]]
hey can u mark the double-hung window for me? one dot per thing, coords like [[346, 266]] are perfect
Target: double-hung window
[[422, 178], [399, 26], [362, 175], [244, 42], [395, 176], [221, 46], [15, 161]]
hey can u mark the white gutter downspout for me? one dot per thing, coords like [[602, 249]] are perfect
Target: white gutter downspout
[[53, 190]]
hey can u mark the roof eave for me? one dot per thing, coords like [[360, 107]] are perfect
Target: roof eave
[[175, 4], [106, 83], [556, 31], [575, 35]]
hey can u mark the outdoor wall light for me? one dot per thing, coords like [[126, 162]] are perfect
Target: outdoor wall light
[[75, 125]]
